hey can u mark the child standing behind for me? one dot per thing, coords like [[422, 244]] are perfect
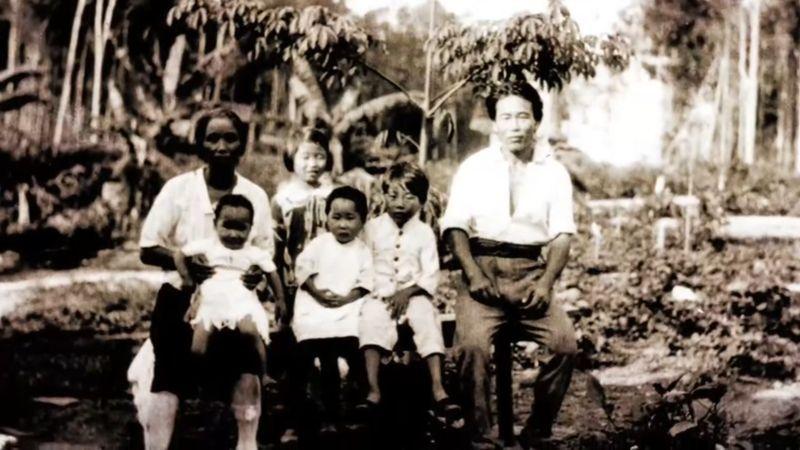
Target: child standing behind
[[334, 273], [406, 269], [222, 301], [299, 202]]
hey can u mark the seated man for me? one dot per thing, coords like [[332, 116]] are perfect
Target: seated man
[[509, 202]]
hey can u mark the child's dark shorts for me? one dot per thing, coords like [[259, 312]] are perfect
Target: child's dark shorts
[[229, 353]]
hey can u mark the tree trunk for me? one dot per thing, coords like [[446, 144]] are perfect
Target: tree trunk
[[797, 117], [751, 103], [315, 104], [275, 95], [97, 72], [13, 36], [742, 65], [13, 45], [427, 123], [172, 72], [789, 108], [782, 77], [725, 107], [80, 83], [218, 78], [67, 83], [116, 104]]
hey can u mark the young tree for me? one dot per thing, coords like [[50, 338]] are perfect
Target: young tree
[[102, 31], [66, 87], [749, 52]]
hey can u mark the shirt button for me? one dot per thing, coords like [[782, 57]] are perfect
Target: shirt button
[[397, 258]]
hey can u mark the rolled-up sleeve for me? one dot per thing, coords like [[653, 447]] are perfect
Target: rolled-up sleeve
[[457, 214], [560, 218], [196, 247], [429, 263], [159, 225]]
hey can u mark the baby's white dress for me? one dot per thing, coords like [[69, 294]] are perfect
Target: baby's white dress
[[223, 298]]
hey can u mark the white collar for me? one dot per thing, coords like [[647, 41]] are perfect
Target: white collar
[[409, 223], [202, 189], [541, 154]]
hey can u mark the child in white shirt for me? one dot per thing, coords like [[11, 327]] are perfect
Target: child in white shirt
[[334, 274], [406, 264]]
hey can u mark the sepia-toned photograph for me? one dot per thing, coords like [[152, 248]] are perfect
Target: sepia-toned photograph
[[399, 224]]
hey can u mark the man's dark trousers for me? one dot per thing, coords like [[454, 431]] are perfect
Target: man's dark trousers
[[515, 270]]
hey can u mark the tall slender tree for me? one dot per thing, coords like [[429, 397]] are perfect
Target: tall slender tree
[[66, 86]]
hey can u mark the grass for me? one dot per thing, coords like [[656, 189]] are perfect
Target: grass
[[86, 308]]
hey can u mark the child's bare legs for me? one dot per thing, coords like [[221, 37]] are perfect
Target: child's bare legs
[[435, 367], [200, 339], [248, 328], [330, 387], [372, 357]]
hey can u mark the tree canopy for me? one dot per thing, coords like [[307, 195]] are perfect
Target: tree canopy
[[548, 47]]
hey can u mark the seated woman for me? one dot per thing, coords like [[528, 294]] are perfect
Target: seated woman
[[183, 212]]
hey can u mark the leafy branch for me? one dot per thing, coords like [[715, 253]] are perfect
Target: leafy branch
[[332, 43], [547, 47]]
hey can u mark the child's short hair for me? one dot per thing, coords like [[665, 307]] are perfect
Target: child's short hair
[[348, 193], [319, 134], [411, 177], [236, 201]]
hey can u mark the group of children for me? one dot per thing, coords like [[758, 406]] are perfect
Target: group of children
[[350, 279]]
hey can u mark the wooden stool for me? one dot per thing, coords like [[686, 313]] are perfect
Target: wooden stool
[[503, 360], [503, 346]]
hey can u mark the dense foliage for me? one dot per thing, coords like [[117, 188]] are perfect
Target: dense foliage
[[333, 43], [548, 47]]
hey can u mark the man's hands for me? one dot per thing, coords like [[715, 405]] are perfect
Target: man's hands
[[481, 287], [485, 290], [282, 312], [537, 302], [193, 269], [253, 277]]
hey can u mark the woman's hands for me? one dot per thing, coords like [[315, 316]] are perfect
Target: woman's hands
[[193, 269], [253, 277]]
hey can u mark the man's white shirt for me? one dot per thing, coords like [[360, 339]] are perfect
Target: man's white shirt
[[480, 201]]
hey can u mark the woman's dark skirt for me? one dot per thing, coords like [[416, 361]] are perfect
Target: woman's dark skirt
[[212, 376]]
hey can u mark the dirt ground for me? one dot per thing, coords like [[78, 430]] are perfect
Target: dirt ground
[[65, 349]]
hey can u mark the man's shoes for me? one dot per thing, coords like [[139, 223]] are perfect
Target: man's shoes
[[486, 443], [531, 436], [289, 437]]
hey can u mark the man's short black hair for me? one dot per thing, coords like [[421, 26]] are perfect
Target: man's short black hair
[[520, 89], [236, 201], [410, 176], [221, 112], [348, 193], [319, 134]]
